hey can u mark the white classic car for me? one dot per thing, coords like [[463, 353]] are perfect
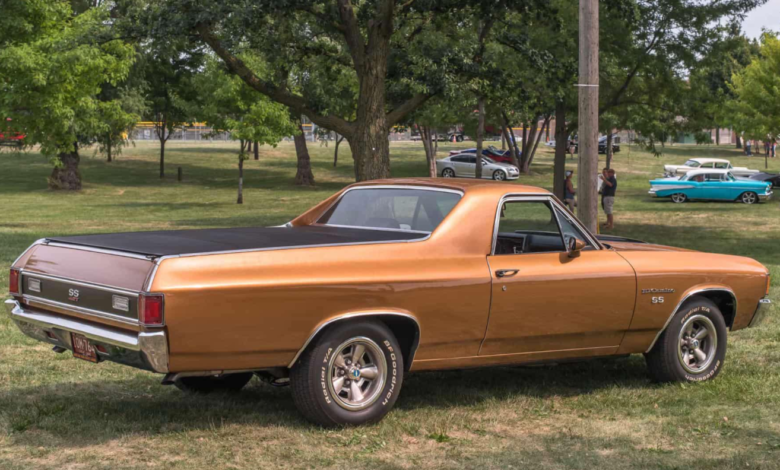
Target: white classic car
[[707, 163]]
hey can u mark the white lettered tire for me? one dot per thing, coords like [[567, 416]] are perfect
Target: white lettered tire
[[350, 375], [693, 346]]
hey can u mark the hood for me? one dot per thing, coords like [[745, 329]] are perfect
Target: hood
[[504, 165]]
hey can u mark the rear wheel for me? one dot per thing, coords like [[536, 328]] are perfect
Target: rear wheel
[[499, 175], [351, 375], [679, 198], [214, 383], [448, 173], [693, 346], [749, 198], [459, 138]]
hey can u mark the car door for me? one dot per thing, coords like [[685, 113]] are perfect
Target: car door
[[543, 300], [468, 166], [713, 187]]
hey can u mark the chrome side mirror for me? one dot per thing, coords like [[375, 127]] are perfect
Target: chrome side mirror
[[575, 247]]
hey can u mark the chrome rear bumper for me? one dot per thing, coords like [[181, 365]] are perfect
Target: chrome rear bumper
[[145, 350], [761, 312]]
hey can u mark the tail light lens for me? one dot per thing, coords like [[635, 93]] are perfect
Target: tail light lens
[[152, 309], [768, 278], [13, 282]]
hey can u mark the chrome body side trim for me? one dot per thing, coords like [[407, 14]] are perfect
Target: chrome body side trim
[[100, 250], [761, 312], [145, 350], [682, 301], [349, 316], [381, 229]]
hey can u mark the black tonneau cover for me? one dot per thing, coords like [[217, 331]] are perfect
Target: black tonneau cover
[[181, 242]]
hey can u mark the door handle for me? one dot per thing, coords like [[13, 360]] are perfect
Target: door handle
[[506, 272]]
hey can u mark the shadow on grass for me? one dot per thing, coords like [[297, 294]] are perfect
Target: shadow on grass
[[84, 414]]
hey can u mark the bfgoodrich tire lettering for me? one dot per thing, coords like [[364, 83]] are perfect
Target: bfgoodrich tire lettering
[[693, 346], [312, 378]]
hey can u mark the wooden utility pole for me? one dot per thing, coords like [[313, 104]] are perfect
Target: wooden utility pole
[[588, 132]]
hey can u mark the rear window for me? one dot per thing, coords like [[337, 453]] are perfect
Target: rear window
[[420, 210]]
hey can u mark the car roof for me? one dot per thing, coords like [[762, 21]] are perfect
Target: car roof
[[466, 185], [707, 171], [709, 160]]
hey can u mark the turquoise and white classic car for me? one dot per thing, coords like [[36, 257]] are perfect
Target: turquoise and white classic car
[[711, 184]]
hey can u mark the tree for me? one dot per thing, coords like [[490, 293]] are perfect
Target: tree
[[169, 67], [227, 104], [53, 62], [119, 109], [755, 111]]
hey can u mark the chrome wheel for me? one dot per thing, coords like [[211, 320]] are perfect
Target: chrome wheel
[[678, 197], [499, 175], [749, 198], [356, 373], [698, 342], [448, 173]]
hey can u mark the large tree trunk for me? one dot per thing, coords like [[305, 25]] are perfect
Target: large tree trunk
[[336, 150], [717, 135], [559, 167], [609, 150], [240, 199], [257, 151], [163, 141], [430, 152], [66, 175], [480, 133], [304, 176], [435, 142], [108, 147], [530, 159], [529, 146], [588, 117], [739, 142]]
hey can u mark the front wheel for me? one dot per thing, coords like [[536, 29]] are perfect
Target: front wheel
[[351, 375], [459, 138], [679, 198], [499, 175], [210, 384], [749, 198], [693, 346]]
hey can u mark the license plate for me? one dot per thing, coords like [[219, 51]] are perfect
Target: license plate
[[82, 349]]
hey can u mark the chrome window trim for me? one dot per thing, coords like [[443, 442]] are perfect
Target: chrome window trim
[[81, 310], [544, 197], [688, 296], [381, 229], [388, 186], [348, 316]]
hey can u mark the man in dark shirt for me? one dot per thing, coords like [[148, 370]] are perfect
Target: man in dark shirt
[[608, 196]]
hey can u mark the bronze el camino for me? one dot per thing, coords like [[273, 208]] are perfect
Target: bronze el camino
[[383, 278]]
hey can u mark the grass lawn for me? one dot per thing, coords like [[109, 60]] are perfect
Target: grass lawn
[[59, 412]]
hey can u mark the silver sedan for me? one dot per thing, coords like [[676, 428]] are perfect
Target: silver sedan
[[463, 165]]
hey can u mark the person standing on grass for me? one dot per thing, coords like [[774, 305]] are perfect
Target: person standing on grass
[[569, 194], [747, 148], [608, 195]]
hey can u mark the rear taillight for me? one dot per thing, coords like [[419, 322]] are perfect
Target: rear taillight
[[768, 278], [13, 282], [151, 309]]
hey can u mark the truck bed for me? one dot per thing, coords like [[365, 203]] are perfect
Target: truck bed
[[187, 242]]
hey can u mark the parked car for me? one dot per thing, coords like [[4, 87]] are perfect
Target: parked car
[[382, 279], [602, 144], [773, 179], [463, 165], [707, 163], [493, 153], [458, 135], [711, 184]]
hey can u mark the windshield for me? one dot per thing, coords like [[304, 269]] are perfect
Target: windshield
[[692, 164], [420, 210]]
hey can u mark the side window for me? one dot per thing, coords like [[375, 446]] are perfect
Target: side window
[[721, 165], [472, 160], [713, 177], [528, 227], [458, 159], [570, 231]]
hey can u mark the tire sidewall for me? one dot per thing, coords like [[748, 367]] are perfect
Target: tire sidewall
[[499, 175], [318, 372], [709, 310]]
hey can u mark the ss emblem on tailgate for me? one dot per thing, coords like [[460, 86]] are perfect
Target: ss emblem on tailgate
[[73, 295]]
